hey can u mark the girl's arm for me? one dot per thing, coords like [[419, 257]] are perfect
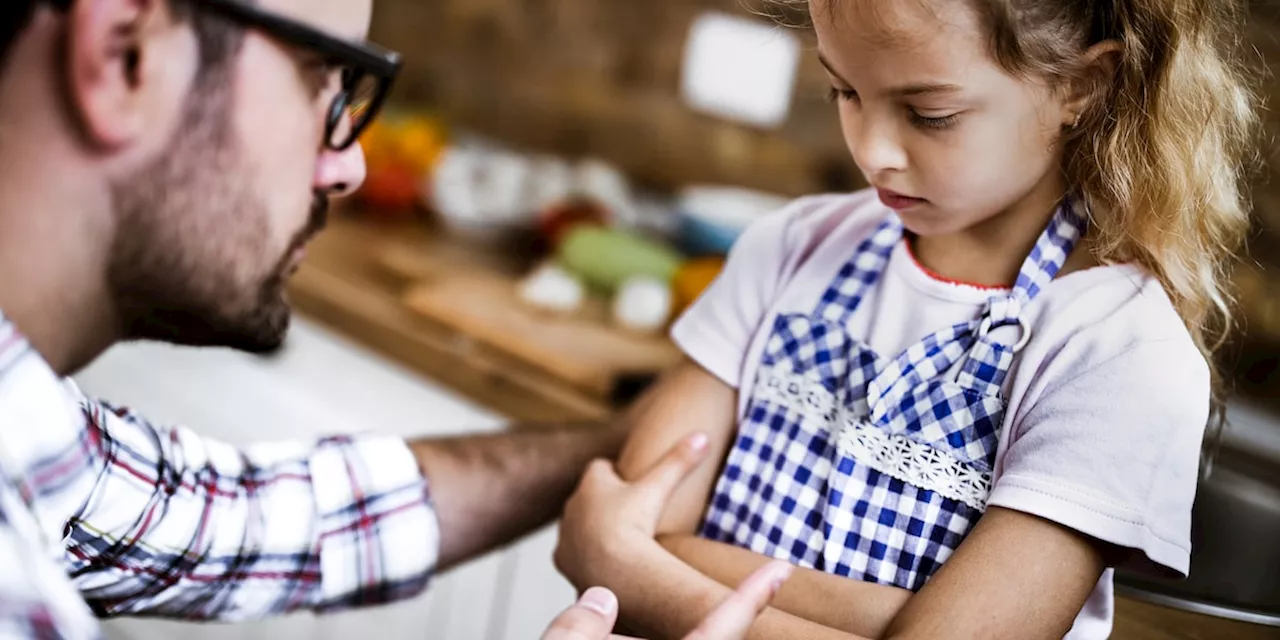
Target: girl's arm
[[684, 401], [1016, 577], [853, 606], [994, 586], [689, 400]]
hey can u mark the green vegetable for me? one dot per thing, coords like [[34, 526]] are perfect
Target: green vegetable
[[605, 258]]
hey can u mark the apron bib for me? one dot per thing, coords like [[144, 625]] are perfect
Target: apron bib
[[871, 467]]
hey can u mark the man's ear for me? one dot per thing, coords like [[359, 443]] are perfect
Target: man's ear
[[1096, 71], [120, 67]]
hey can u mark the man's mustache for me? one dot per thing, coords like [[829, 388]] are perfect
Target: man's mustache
[[316, 223], [319, 216]]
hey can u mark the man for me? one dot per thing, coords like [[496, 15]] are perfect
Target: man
[[164, 163]]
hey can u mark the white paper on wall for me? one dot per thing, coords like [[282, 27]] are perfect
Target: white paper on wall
[[740, 69]]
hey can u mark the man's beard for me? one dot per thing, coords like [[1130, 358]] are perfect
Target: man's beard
[[189, 233]]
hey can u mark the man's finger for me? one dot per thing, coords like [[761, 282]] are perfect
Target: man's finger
[[673, 467], [732, 619], [590, 618]]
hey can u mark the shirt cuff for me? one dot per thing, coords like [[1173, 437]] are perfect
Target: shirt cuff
[[708, 349], [1106, 521], [379, 537]]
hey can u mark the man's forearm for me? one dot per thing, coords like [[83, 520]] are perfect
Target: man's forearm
[[854, 606], [489, 490]]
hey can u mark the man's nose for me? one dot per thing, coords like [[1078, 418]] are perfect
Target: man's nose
[[339, 173]]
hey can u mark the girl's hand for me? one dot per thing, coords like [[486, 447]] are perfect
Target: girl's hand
[[609, 522]]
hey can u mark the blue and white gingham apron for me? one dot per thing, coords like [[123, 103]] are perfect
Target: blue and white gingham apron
[[869, 467]]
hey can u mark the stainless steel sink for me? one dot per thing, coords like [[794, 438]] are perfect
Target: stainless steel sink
[[1235, 530]]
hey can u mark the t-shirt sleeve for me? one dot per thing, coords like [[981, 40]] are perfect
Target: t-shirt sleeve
[[1113, 451], [717, 329]]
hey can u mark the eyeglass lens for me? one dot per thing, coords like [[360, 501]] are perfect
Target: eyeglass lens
[[353, 107]]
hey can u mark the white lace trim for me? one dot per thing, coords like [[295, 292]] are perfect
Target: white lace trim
[[804, 394], [915, 463], [897, 456]]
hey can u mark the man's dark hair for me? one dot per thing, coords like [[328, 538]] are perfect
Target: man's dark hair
[[219, 40], [14, 16]]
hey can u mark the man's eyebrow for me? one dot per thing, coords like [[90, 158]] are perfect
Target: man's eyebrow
[[904, 91]]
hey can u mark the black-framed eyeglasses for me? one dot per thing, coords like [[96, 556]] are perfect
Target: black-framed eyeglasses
[[367, 71]]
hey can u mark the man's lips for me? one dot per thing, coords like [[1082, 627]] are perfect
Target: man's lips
[[293, 261], [897, 201]]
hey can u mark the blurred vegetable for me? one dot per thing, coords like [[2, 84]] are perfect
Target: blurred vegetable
[[606, 258], [399, 153], [693, 278], [420, 141], [390, 188], [555, 221]]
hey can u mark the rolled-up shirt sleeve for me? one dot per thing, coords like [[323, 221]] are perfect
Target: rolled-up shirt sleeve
[[178, 525]]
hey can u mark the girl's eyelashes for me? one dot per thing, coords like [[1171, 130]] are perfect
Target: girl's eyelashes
[[936, 123], [923, 122], [842, 94]]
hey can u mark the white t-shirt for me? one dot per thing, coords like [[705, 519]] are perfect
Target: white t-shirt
[[1107, 402]]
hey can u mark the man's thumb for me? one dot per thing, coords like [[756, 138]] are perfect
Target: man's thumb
[[590, 618]]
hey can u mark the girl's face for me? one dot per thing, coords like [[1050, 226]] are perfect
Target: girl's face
[[945, 134]]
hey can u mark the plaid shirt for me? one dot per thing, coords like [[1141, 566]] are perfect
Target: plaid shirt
[[103, 513]]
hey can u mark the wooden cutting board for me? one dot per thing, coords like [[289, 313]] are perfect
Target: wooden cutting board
[[480, 301]]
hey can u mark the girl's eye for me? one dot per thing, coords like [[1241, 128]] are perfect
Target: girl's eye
[[925, 122], [848, 95]]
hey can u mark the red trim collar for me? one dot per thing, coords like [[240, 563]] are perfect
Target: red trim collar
[[943, 279]]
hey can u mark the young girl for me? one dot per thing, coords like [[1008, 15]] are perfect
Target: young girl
[[957, 399]]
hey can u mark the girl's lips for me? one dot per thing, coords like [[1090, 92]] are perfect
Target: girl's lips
[[897, 201]]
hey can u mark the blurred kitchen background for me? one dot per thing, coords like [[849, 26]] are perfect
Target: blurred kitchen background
[[555, 180]]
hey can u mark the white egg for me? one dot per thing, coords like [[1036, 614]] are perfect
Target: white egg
[[552, 288], [642, 304]]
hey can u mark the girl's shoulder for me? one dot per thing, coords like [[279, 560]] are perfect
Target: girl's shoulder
[[796, 231], [1121, 303], [1097, 321]]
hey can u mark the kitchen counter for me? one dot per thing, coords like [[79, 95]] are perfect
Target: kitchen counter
[[343, 285]]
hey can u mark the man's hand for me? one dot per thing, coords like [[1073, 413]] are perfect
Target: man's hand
[[593, 616], [608, 519]]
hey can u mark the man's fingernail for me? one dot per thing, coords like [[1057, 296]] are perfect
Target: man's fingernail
[[600, 600], [698, 442], [783, 574]]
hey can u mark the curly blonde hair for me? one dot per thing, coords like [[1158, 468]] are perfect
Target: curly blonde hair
[[1163, 152], [1162, 155]]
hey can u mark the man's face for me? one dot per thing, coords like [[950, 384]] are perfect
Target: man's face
[[210, 228]]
